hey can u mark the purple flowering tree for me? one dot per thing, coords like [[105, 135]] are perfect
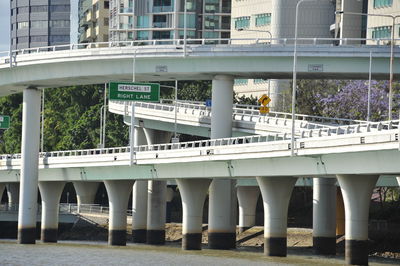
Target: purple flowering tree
[[351, 100]]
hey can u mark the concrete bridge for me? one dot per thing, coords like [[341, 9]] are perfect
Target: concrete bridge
[[356, 158]]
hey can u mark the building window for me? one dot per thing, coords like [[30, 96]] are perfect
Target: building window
[[35, 9], [22, 39], [263, 19], [189, 34], [39, 38], [142, 35], [190, 20], [241, 81], [59, 24], [59, 38], [211, 34], [382, 3], [158, 35], [382, 32], [142, 22], [22, 10], [39, 24], [242, 22], [60, 8], [106, 4], [259, 81], [211, 22], [22, 25]]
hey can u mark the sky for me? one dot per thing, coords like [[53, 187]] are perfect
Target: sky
[[4, 25]]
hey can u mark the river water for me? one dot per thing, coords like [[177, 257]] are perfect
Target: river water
[[99, 253]]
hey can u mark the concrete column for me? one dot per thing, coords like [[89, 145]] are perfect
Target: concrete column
[[357, 191], [85, 192], [139, 211], [139, 199], [340, 224], [2, 187], [324, 216], [276, 192], [193, 193], [156, 212], [247, 197], [118, 196], [222, 201], [51, 194], [13, 195], [157, 137], [29, 166]]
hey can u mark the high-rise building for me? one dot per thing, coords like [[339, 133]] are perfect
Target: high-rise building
[[164, 19], [93, 20], [42, 23], [275, 19]]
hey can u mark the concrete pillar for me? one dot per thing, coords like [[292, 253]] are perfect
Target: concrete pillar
[[50, 192], [156, 212], [222, 201], [193, 193], [340, 224], [357, 191], [139, 211], [324, 216], [29, 166], [118, 196], [85, 192], [276, 192], [139, 199], [13, 195], [157, 137], [2, 187], [247, 197]]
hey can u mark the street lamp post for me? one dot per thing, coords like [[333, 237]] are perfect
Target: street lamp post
[[391, 51], [295, 74], [175, 106]]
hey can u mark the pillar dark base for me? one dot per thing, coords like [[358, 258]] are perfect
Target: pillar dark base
[[324, 245], [191, 241], [49, 235], [117, 237], [357, 252], [242, 229], [155, 237], [27, 235], [275, 246], [139, 235], [222, 240]]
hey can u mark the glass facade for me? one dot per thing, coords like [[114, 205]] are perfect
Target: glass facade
[[262, 19], [242, 22], [382, 3], [382, 32]]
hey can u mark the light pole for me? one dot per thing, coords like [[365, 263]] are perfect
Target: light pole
[[295, 74], [369, 87], [175, 107], [265, 31], [391, 51], [184, 28]]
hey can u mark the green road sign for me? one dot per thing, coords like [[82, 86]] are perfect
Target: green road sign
[[4, 121], [128, 91]]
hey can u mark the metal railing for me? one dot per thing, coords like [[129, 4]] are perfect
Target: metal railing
[[356, 42]]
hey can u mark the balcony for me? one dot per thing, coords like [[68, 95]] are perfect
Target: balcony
[[160, 9], [125, 26], [159, 24], [126, 10]]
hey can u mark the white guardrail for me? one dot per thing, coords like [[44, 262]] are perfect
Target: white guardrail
[[306, 125], [181, 44], [72, 208]]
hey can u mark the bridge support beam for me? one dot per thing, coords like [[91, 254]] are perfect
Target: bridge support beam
[[13, 195], [193, 193], [324, 216], [247, 197], [118, 196], [50, 192], [156, 212], [139, 211], [357, 191], [276, 192], [29, 166], [222, 201], [85, 192]]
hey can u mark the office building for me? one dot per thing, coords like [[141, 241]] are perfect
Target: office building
[[93, 21]]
